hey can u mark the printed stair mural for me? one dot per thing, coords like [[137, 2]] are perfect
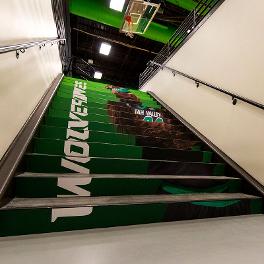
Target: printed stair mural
[[109, 156]]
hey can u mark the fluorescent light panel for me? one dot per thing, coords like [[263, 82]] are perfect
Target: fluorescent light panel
[[105, 48], [98, 75], [117, 5]]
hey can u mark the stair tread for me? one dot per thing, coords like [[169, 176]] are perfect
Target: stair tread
[[84, 201], [123, 158], [130, 176], [127, 145], [47, 123]]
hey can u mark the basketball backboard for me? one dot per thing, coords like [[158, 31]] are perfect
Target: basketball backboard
[[138, 17]]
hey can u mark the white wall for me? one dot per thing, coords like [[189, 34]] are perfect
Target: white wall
[[229, 240], [24, 81], [227, 51]]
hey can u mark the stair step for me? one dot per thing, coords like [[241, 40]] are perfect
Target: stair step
[[127, 112], [43, 185], [96, 135], [95, 94], [56, 147], [125, 121], [35, 162], [65, 100], [97, 125], [124, 176], [85, 201], [104, 110]]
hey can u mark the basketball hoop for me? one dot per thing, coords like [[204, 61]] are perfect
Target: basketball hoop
[[138, 16], [129, 26]]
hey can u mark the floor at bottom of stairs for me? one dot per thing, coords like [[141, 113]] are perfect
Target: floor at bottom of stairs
[[220, 240]]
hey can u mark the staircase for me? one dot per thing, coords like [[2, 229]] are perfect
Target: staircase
[[106, 156]]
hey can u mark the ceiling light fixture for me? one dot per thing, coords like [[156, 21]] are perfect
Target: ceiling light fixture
[[98, 75], [105, 48], [117, 5]]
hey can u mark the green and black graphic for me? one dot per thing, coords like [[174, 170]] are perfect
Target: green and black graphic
[[102, 141]]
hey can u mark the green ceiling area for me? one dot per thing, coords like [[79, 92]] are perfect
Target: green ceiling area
[[98, 10], [185, 4]]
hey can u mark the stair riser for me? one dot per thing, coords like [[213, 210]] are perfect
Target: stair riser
[[108, 126], [64, 111], [170, 132], [38, 187], [102, 92], [90, 89], [104, 101], [94, 97], [20, 222], [99, 135], [57, 147], [102, 109], [108, 118], [45, 163]]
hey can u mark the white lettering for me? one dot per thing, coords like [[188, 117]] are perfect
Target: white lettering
[[82, 146], [74, 167], [76, 134], [71, 185], [70, 212], [76, 151]]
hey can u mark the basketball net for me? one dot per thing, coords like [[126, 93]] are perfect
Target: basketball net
[[129, 26]]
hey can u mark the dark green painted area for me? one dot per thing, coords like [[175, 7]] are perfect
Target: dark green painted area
[[47, 187], [94, 136], [230, 186], [94, 102], [89, 92], [67, 85], [207, 156], [52, 146], [56, 147], [218, 204], [219, 169], [66, 108], [20, 222], [185, 4], [96, 126], [52, 163], [90, 117], [36, 187], [256, 206], [102, 100]]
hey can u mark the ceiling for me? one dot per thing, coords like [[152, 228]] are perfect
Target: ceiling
[[128, 57]]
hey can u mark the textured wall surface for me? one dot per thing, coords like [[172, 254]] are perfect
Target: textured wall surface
[[226, 51], [24, 81]]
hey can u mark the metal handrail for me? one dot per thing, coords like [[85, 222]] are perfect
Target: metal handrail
[[197, 81], [249, 178], [193, 21], [26, 45], [12, 157]]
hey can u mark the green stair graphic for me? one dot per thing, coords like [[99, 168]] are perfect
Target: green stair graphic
[[110, 156]]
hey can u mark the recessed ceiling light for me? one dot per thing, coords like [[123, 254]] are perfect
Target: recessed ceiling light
[[117, 5], [98, 75], [105, 48]]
